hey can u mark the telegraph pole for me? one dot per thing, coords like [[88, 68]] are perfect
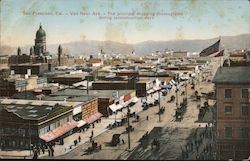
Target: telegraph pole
[[128, 115], [159, 105], [177, 79], [186, 90]]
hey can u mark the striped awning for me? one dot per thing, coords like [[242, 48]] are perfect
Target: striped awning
[[51, 135], [81, 123], [93, 118], [115, 107]]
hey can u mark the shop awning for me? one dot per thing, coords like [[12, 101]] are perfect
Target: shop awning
[[93, 118], [118, 116], [125, 111], [124, 104], [51, 135], [135, 99], [115, 107], [150, 91], [157, 88], [98, 115], [81, 123]]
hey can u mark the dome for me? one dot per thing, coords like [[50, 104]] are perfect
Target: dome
[[40, 32]]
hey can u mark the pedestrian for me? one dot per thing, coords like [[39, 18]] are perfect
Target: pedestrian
[[147, 118], [123, 142], [92, 133], [38, 150], [35, 154], [49, 151], [79, 139], [43, 150], [52, 152]]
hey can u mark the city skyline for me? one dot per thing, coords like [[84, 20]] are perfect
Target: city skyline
[[196, 20]]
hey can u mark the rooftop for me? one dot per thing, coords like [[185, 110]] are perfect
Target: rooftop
[[232, 75], [33, 111], [82, 94]]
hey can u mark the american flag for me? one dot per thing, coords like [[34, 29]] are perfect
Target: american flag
[[221, 53], [211, 49]]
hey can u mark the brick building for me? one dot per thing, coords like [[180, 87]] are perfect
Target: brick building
[[233, 112]]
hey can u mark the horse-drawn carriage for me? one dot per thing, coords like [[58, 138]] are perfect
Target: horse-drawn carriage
[[115, 139], [172, 98], [156, 143], [93, 148], [181, 110], [130, 128]]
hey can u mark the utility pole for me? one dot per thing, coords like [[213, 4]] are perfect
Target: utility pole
[[128, 115], [177, 79], [159, 105], [30, 137], [186, 90]]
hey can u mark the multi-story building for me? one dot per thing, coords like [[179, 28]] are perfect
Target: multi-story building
[[16, 84], [37, 122], [233, 112]]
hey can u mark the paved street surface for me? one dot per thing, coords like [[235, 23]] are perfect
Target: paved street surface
[[175, 137]]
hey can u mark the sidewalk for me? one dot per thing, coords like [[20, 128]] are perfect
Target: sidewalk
[[69, 141]]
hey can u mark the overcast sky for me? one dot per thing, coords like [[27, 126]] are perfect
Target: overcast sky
[[194, 19]]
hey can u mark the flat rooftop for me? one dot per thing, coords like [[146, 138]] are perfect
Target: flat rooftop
[[232, 75], [32, 111], [92, 93]]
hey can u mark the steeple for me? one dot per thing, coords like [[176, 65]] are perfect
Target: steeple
[[59, 54], [18, 51]]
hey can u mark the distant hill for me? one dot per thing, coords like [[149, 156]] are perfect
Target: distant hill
[[88, 47]]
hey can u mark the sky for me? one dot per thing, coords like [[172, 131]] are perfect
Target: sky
[[179, 19]]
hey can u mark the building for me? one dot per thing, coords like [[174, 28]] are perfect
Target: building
[[36, 69], [94, 62], [105, 97], [15, 84], [4, 73], [24, 122], [233, 112], [180, 54], [67, 79], [38, 122]]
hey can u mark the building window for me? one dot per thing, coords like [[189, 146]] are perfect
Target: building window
[[244, 93], [228, 132], [244, 110], [245, 132], [228, 109], [228, 93]]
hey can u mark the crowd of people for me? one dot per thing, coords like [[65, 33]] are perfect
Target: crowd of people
[[38, 149], [200, 147]]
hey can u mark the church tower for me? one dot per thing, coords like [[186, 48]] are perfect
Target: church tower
[[40, 42], [18, 51], [31, 51], [59, 54]]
